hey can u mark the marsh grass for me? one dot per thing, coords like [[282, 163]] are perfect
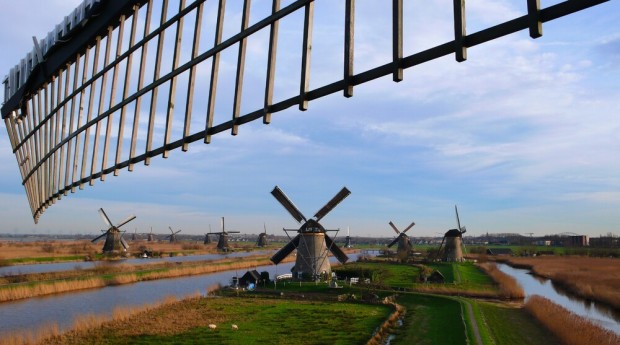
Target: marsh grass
[[596, 279], [508, 286], [569, 327], [105, 274]]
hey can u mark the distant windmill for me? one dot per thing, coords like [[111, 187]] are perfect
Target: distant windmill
[[222, 243], [173, 235], [404, 243], [312, 242], [454, 241], [114, 241], [134, 236], [151, 237], [207, 238], [262, 238], [347, 240]]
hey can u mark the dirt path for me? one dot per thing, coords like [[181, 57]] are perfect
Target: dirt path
[[474, 323]]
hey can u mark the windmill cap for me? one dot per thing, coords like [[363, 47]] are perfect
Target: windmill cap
[[453, 233]]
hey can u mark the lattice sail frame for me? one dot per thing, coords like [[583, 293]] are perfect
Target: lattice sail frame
[[56, 108]]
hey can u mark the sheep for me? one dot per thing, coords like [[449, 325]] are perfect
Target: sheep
[[234, 327], [212, 326]]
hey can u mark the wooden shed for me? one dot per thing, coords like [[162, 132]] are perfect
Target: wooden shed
[[250, 277]]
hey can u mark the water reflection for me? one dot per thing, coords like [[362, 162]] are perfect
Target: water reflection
[[598, 313], [63, 309]]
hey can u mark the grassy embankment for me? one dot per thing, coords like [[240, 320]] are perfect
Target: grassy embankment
[[107, 275], [259, 321], [462, 279], [595, 279]]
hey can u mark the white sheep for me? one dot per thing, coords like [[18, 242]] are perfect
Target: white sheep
[[234, 327], [212, 326]]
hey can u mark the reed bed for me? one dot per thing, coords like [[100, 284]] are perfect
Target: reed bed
[[51, 333], [508, 286], [379, 337], [596, 279], [27, 291], [568, 327]]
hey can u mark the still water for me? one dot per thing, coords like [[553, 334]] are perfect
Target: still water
[[67, 266], [63, 309], [596, 312]]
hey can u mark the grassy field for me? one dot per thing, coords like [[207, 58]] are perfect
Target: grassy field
[[259, 321], [513, 325], [427, 320]]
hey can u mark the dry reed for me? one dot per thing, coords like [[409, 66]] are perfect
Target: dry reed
[[596, 279], [27, 291], [46, 288], [384, 330], [568, 327], [85, 323], [508, 286]]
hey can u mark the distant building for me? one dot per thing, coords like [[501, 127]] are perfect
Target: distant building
[[605, 242], [542, 243], [576, 241]]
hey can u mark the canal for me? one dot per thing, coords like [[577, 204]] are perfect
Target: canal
[[64, 309], [597, 313]]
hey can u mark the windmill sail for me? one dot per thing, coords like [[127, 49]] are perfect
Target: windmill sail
[[286, 250], [344, 192], [288, 204]]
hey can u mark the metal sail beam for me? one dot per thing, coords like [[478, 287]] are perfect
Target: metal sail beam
[[64, 116]]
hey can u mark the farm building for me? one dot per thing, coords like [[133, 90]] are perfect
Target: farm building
[[250, 277], [499, 251]]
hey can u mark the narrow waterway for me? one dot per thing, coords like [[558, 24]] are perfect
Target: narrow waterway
[[67, 266], [598, 313], [63, 309]]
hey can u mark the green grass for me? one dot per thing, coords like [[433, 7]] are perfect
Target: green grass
[[485, 334], [508, 325], [430, 320], [388, 274], [260, 321]]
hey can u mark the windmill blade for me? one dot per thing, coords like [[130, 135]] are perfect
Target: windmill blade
[[99, 237], [288, 204], [127, 220], [394, 241], [338, 253], [124, 243], [439, 250], [344, 192], [394, 227], [463, 230], [458, 221], [409, 227], [286, 250], [177, 232], [105, 218]]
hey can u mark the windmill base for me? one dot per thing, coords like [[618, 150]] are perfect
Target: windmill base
[[312, 261]]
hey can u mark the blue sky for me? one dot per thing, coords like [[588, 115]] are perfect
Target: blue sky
[[524, 136]]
